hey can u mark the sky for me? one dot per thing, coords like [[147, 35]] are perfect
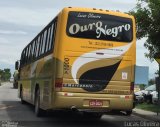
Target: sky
[[22, 20]]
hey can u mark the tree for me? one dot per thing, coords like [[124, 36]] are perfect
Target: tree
[[5, 74], [141, 86], [2, 74], [151, 82], [148, 24]]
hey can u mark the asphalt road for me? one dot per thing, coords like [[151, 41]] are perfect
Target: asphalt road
[[15, 114]]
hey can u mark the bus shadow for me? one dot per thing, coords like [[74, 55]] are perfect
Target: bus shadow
[[24, 115]]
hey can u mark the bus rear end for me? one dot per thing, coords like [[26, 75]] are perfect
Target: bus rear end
[[97, 50]]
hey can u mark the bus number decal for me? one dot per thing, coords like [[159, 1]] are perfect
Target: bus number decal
[[66, 65]]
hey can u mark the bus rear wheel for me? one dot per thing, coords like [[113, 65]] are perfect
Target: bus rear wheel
[[39, 112], [21, 96]]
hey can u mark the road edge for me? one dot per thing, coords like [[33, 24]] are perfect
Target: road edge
[[148, 117]]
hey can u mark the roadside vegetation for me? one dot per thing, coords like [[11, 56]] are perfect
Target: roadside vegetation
[[5, 75], [147, 19], [148, 107]]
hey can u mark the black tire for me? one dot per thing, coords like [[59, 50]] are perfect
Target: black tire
[[39, 112], [15, 84], [92, 115], [128, 113], [21, 96]]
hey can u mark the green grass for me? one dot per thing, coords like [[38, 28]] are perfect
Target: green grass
[[148, 107]]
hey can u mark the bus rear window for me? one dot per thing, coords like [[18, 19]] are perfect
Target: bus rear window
[[99, 26]]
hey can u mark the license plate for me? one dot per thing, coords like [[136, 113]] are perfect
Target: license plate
[[95, 103]]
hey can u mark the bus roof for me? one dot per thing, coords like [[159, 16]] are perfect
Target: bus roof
[[101, 11]]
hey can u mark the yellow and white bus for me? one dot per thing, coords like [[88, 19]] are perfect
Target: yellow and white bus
[[83, 59]]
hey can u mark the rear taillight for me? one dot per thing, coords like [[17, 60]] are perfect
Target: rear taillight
[[126, 97], [58, 84]]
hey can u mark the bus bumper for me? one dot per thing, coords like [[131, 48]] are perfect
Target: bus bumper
[[65, 100]]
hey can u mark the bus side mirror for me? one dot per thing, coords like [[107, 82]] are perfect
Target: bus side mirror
[[17, 65]]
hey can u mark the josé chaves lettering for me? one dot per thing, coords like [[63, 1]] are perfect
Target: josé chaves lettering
[[90, 15], [99, 28]]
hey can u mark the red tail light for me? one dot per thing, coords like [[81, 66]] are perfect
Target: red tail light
[[126, 97], [58, 84]]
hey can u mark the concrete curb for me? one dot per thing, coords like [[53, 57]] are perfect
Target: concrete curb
[[149, 117]]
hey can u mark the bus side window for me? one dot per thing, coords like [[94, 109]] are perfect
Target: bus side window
[[41, 46], [26, 55], [38, 45], [44, 41], [54, 33], [29, 53], [47, 40], [32, 51], [51, 38], [35, 49], [39, 41], [22, 58]]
